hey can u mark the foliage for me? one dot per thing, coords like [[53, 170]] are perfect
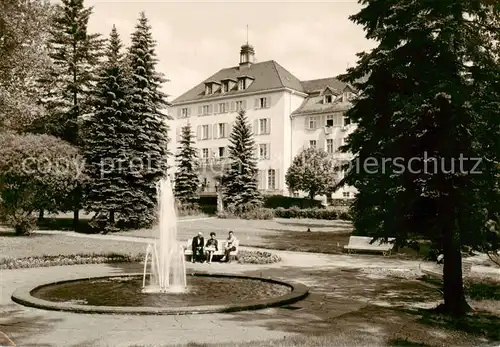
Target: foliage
[[188, 209], [244, 257], [186, 178], [23, 58], [275, 201], [311, 213], [312, 171], [108, 140], [429, 90], [149, 124], [71, 75], [257, 257], [239, 183], [248, 211], [36, 172]]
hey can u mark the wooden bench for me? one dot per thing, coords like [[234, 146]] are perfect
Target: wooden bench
[[188, 250], [362, 243]]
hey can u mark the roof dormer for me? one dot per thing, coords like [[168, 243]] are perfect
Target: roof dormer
[[244, 82], [328, 95], [227, 84], [211, 87]]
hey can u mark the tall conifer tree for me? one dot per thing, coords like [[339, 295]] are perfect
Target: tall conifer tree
[[429, 96], [149, 121], [240, 186], [109, 138], [186, 177], [66, 87]]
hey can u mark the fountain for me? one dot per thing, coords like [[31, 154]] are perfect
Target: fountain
[[165, 256], [144, 293]]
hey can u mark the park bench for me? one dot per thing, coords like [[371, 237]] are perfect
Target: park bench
[[188, 251], [362, 243]]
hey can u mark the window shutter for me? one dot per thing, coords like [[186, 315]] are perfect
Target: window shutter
[[177, 134], [268, 151], [179, 112], [268, 102], [215, 131], [338, 143], [259, 179], [210, 109], [263, 179], [200, 110], [257, 152], [306, 123], [233, 106], [209, 132], [229, 129], [306, 144], [226, 107], [244, 105], [189, 111], [216, 108], [256, 103], [277, 179], [213, 152], [198, 132], [269, 125], [256, 127]]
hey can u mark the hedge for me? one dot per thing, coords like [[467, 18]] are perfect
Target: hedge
[[311, 213], [275, 201]]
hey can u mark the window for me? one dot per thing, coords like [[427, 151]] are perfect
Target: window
[[312, 144], [327, 99], [184, 112], [225, 87], [333, 120], [204, 153], [312, 123], [263, 126], [208, 89], [240, 106], [345, 194], [271, 179], [221, 130], [222, 152], [347, 121], [263, 151], [222, 107], [295, 194], [329, 146], [204, 132], [206, 109], [263, 103], [242, 84]]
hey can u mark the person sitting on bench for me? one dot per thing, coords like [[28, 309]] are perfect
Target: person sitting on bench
[[231, 240], [211, 247], [197, 248]]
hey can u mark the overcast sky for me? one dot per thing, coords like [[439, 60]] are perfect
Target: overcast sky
[[197, 39]]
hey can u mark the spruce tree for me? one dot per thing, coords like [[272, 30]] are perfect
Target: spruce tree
[[429, 96], [240, 186], [108, 139], [75, 57], [149, 122], [66, 86], [186, 177]]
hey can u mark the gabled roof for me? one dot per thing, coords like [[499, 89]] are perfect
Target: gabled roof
[[314, 102], [268, 75]]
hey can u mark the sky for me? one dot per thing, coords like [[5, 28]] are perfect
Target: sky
[[197, 39]]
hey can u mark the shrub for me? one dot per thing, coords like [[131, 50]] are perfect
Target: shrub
[[37, 172], [276, 201], [311, 213], [246, 212], [257, 257], [188, 209]]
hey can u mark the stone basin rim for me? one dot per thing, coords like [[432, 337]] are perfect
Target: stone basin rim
[[23, 297]]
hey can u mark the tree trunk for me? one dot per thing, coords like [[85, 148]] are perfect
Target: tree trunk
[[112, 218], [41, 215], [454, 294], [76, 217]]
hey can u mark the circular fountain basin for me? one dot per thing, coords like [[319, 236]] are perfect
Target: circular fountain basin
[[205, 293]]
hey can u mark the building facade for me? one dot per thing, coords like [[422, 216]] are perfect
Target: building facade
[[286, 115]]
